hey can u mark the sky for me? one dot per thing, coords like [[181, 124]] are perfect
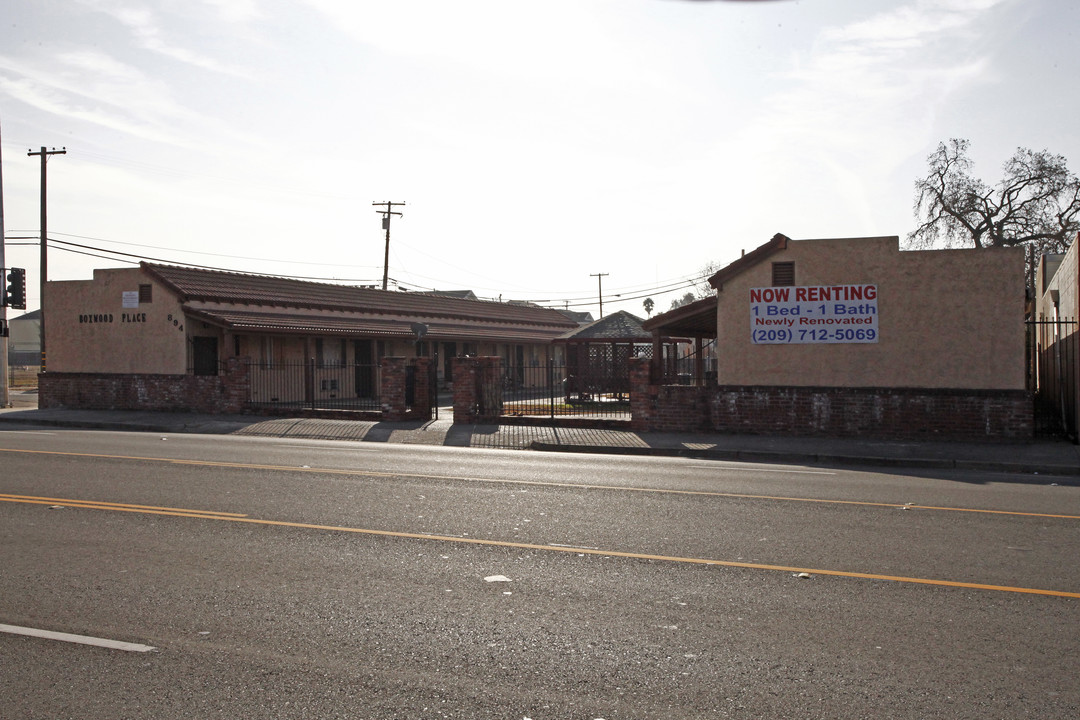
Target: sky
[[545, 151]]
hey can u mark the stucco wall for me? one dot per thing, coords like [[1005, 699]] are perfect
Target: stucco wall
[[946, 319], [1059, 273], [88, 329]]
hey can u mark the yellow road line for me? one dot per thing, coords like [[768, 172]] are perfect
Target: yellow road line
[[92, 505], [102, 505], [538, 483]]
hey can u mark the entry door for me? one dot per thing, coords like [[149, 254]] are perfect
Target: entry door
[[205, 355], [365, 369], [449, 353]]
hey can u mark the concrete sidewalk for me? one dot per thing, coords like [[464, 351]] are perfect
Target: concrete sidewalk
[[1042, 457]]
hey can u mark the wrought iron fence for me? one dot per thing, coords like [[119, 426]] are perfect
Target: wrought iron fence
[[550, 390], [305, 384], [1054, 351]]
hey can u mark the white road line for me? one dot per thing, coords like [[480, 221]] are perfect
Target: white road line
[[81, 639]]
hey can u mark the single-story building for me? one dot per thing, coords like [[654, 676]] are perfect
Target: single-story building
[[852, 336], [169, 320], [24, 340]]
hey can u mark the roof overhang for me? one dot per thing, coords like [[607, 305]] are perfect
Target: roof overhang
[[359, 326], [698, 319]]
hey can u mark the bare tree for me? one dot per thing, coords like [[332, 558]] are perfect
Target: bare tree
[[1037, 202], [684, 300]]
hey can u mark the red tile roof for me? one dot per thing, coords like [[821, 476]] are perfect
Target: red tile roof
[[263, 303]]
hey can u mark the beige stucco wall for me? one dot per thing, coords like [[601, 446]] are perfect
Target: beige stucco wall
[[88, 329], [1058, 276], [946, 319]]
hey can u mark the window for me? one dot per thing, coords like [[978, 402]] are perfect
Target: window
[[146, 294], [783, 274], [329, 353]]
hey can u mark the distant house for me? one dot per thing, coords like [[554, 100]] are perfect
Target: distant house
[[459, 294], [581, 318], [24, 341]]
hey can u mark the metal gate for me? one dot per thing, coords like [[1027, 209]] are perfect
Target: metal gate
[[1053, 374], [550, 390]]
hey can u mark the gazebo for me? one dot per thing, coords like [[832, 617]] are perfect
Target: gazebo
[[598, 355]]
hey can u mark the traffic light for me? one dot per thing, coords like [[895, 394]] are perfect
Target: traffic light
[[15, 289]]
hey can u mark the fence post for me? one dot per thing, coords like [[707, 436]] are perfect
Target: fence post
[[309, 383], [551, 387], [465, 372]]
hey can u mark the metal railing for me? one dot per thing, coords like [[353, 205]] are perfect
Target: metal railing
[[1054, 349], [550, 390], [305, 384]]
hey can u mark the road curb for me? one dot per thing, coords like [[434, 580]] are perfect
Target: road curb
[[1033, 472]]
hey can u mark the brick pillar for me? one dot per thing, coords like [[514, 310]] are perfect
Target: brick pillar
[[421, 389], [236, 385], [392, 388], [466, 371], [641, 393]]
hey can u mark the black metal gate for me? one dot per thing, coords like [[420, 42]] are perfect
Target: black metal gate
[[1052, 375], [550, 390]]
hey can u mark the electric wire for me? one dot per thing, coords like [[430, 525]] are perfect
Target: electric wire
[[628, 294]]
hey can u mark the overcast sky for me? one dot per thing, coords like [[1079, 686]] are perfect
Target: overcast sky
[[536, 144]]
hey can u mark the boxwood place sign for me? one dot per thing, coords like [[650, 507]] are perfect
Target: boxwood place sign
[[814, 314]]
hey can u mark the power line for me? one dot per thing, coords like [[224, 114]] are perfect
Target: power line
[[552, 300]]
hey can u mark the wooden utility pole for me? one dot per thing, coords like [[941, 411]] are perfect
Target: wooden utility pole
[[5, 397], [44, 269], [386, 226], [600, 286]]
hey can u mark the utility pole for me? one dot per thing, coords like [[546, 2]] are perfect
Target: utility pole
[[44, 269], [600, 286], [5, 390], [386, 226]]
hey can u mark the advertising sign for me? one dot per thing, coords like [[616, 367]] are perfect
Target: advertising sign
[[814, 314]]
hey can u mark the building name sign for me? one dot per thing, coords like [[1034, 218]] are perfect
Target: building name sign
[[109, 317], [814, 314]]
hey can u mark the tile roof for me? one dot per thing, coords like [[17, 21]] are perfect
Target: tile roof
[[352, 324], [262, 298], [617, 326]]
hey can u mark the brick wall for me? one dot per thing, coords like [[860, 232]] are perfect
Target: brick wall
[[226, 393], [886, 413], [216, 394]]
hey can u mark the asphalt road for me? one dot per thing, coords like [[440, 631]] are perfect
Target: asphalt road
[[330, 580]]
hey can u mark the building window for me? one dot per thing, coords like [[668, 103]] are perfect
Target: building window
[[146, 294], [783, 274], [329, 353]]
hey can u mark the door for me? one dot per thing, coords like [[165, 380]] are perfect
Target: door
[[364, 368], [205, 355]]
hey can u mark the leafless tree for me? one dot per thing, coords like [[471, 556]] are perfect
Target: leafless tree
[[1036, 203]]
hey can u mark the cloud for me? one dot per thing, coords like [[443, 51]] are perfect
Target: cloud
[[147, 30]]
